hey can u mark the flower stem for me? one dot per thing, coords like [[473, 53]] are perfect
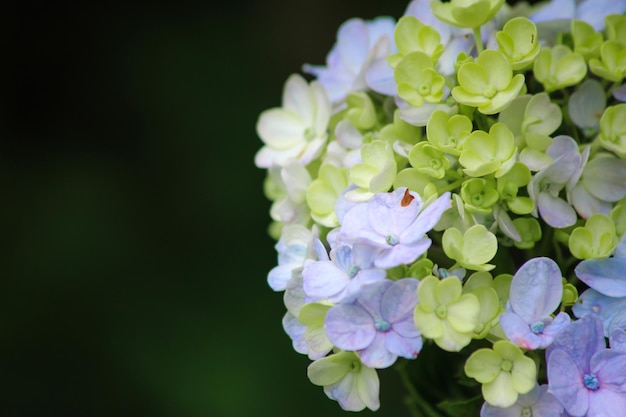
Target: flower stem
[[478, 40], [416, 404]]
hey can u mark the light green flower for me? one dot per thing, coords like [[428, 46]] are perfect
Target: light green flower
[[429, 160], [361, 111], [472, 249], [479, 195], [612, 63], [613, 129], [418, 80], [376, 173], [519, 42], [488, 83], [466, 13], [448, 132], [529, 230], [488, 153], [508, 187], [412, 35], [595, 240], [504, 372], [322, 193], [445, 314], [559, 67], [586, 39]]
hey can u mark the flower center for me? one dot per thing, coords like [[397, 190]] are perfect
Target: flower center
[[527, 412], [537, 327], [392, 239], [382, 325], [424, 89], [591, 381], [353, 270], [506, 365], [489, 91], [309, 134], [441, 312]]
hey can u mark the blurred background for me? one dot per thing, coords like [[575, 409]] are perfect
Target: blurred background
[[134, 249]]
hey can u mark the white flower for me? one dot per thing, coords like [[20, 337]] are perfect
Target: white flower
[[299, 129]]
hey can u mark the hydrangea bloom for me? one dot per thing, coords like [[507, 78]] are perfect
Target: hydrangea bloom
[[448, 194], [394, 224], [587, 378], [379, 324]]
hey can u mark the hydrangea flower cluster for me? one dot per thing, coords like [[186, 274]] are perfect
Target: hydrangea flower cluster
[[453, 182]]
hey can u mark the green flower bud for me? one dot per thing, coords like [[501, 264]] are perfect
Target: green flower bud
[[429, 160], [411, 35], [361, 111], [529, 230], [479, 195], [587, 40], [488, 153], [472, 249], [612, 62], [448, 132], [613, 129]]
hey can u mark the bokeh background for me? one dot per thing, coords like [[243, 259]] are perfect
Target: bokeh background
[[133, 224], [134, 249]]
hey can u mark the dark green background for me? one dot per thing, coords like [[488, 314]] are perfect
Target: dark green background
[[134, 249], [133, 225]]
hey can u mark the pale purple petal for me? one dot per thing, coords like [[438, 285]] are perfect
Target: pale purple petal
[[323, 280], [566, 383], [620, 250], [536, 289], [518, 331], [406, 347], [547, 405], [586, 204], [399, 300], [353, 44], [580, 340], [428, 217], [618, 340], [389, 213], [278, 276], [370, 297], [610, 367], [555, 9], [402, 254], [620, 93], [379, 77], [376, 355], [555, 211], [594, 11], [295, 330], [605, 276], [606, 403], [349, 327], [405, 328], [489, 410]]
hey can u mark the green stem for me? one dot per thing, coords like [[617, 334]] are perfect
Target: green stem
[[415, 402], [479, 40], [451, 186]]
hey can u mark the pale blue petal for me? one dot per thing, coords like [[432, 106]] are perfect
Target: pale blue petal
[[620, 250], [620, 93], [604, 178], [279, 275], [586, 103], [605, 276], [594, 11], [536, 289], [389, 213], [353, 44], [346, 393], [566, 383], [349, 327], [597, 304], [405, 328], [368, 387], [555, 9]]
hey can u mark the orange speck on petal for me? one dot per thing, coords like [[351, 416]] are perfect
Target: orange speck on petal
[[407, 198]]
